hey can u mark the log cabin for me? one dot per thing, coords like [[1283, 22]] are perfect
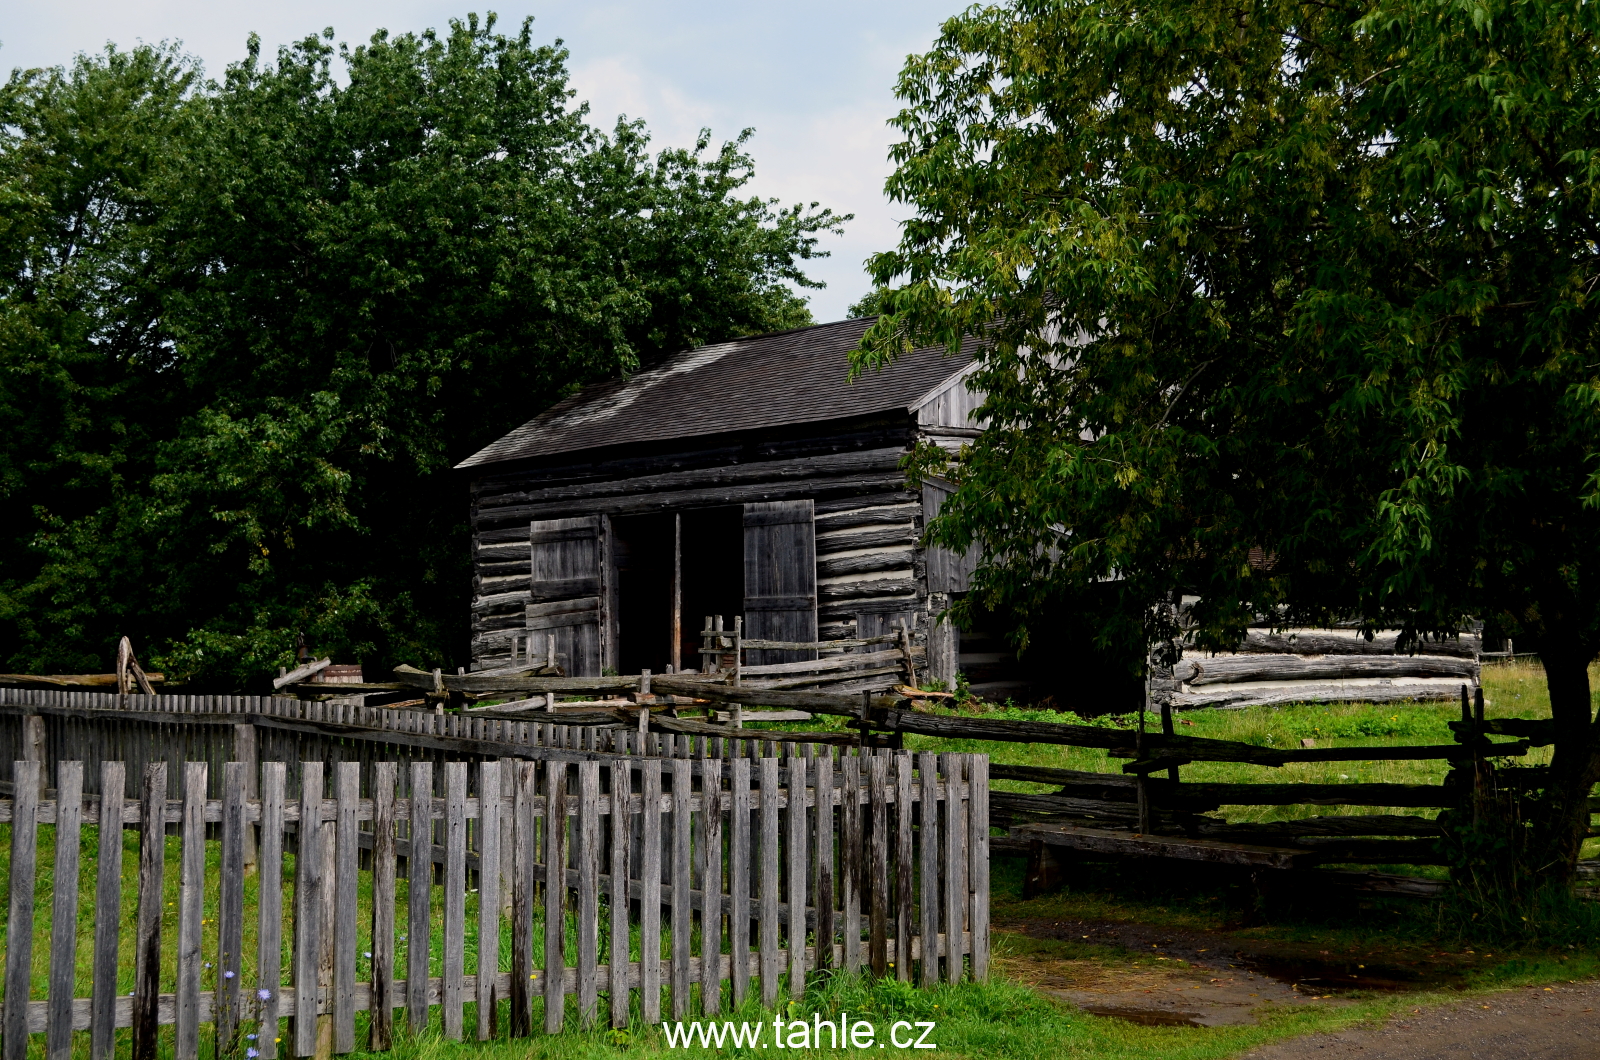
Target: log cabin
[[750, 478]]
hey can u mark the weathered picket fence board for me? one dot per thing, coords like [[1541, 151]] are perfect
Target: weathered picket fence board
[[689, 851]]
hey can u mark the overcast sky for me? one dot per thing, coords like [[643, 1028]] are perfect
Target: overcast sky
[[815, 80]]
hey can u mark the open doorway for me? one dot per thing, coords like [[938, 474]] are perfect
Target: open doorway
[[690, 563], [713, 573]]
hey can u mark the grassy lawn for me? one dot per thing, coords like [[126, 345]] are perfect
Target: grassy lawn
[[1005, 1017]]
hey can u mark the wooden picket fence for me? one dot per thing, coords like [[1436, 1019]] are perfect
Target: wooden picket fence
[[676, 874]]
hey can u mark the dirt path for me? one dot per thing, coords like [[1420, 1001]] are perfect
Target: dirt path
[[1551, 1023]]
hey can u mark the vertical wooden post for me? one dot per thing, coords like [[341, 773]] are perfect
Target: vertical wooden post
[[191, 911], [269, 902], [522, 864], [955, 867], [850, 860], [588, 920], [978, 843], [711, 888], [380, 1027], [147, 930], [902, 866], [347, 862], [555, 895], [797, 876], [107, 913], [455, 899], [245, 753], [739, 878], [419, 896], [769, 946], [650, 893], [230, 912], [823, 897], [34, 748], [308, 901], [621, 834], [928, 827], [489, 803], [19, 920], [64, 911]]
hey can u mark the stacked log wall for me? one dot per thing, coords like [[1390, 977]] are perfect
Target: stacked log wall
[[1319, 666], [867, 521]]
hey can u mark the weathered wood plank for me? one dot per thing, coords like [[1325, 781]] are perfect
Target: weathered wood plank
[[64, 911], [419, 896], [1213, 851], [19, 918], [191, 912], [269, 909], [488, 936], [347, 846], [621, 841], [739, 878], [455, 898], [770, 955], [309, 897], [878, 866], [928, 885], [380, 1025], [903, 864], [555, 896], [713, 890], [650, 893], [107, 912], [230, 910], [850, 858], [955, 867], [796, 799], [978, 872], [147, 929], [588, 920], [682, 777], [522, 899], [823, 896]]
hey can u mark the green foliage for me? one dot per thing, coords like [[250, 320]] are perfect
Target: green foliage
[[248, 326], [1291, 311]]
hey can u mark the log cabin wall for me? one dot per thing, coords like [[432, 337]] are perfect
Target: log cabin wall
[[773, 425], [870, 573]]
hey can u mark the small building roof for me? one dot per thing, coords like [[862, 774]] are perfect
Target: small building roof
[[788, 377]]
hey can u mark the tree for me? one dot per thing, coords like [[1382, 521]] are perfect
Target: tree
[[1309, 283], [342, 290]]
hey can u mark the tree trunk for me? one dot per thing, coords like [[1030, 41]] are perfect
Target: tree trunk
[[1574, 767]]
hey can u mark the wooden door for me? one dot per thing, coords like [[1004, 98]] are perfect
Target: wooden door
[[568, 591], [780, 577]]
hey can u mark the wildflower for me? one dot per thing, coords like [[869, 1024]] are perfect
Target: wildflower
[[402, 938], [208, 964], [369, 954], [249, 1037], [264, 994], [229, 975], [253, 1053]]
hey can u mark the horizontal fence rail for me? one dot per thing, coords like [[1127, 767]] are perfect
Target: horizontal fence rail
[[533, 891]]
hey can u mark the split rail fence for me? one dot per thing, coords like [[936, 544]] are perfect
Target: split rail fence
[[711, 880]]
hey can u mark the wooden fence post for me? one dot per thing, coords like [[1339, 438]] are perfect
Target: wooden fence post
[[147, 938], [191, 911], [34, 748], [64, 911], [19, 918], [107, 913], [245, 753]]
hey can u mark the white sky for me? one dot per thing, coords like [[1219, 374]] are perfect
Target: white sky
[[816, 80]]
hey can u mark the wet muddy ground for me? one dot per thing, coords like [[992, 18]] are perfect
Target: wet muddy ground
[[1205, 978]]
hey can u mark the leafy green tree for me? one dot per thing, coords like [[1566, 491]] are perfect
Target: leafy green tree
[[338, 290], [1304, 283]]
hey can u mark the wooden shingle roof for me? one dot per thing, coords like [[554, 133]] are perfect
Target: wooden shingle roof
[[789, 377]]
